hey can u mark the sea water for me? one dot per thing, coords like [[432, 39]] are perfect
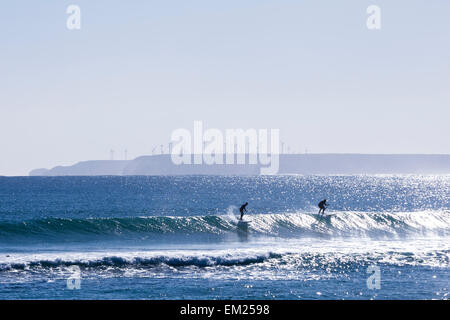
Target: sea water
[[178, 238]]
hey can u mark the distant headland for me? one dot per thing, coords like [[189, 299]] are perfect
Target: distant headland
[[307, 164]]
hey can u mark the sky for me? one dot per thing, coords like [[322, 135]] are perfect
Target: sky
[[138, 70]]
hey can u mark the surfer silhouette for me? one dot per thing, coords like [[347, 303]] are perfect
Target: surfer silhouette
[[323, 206], [243, 209]]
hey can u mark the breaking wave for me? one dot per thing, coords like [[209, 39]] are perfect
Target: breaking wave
[[339, 224], [287, 259]]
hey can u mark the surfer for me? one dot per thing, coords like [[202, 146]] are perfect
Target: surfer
[[243, 209], [322, 206]]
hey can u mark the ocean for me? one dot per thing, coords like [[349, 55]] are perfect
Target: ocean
[[177, 237]]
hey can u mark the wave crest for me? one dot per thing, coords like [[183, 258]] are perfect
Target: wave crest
[[351, 224]]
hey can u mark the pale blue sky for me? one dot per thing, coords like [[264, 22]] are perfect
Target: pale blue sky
[[137, 70]]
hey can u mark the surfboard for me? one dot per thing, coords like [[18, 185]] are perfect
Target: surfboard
[[323, 217], [243, 224]]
